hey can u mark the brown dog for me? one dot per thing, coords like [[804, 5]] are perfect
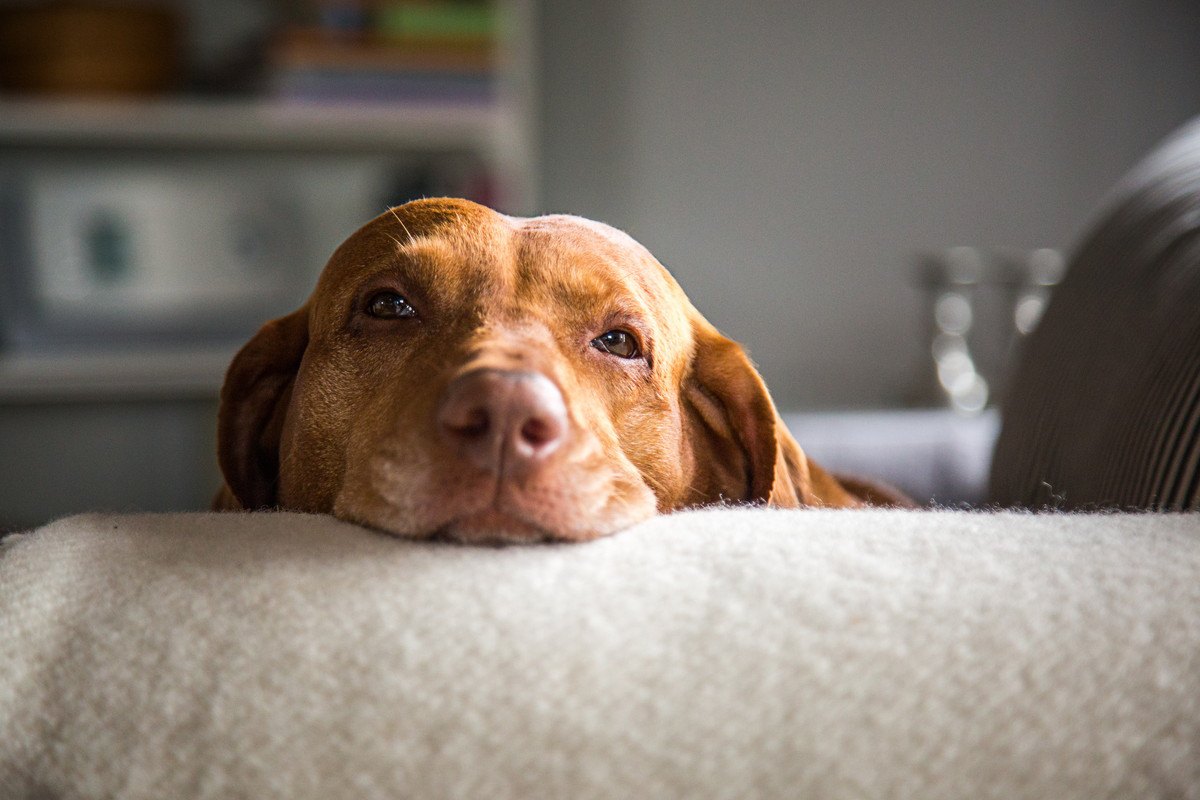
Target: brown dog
[[465, 374]]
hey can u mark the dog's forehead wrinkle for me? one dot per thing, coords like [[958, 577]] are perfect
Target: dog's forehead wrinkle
[[576, 235], [577, 276], [581, 227]]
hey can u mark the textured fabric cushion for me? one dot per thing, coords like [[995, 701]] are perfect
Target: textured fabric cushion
[[1105, 406], [725, 653]]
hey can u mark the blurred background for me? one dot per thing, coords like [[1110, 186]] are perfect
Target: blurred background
[[876, 199]]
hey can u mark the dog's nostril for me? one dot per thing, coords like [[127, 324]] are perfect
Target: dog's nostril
[[475, 423], [467, 423], [539, 432]]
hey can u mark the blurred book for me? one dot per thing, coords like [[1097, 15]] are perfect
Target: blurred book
[[433, 52], [446, 21]]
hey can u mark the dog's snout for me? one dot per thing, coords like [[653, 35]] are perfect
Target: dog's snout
[[503, 421]]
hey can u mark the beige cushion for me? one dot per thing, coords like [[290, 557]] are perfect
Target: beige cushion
[[726, 653]]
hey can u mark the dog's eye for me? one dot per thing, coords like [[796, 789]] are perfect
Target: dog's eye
[[619, 343], [389, 305]]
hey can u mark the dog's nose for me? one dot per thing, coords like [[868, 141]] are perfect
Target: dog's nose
[[505, 422]]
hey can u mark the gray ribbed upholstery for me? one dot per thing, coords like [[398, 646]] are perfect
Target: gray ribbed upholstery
[[1104, 409]]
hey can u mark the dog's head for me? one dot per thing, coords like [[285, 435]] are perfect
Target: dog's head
[[462, 373]]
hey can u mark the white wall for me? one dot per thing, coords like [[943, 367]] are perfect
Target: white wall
[[788, 160]]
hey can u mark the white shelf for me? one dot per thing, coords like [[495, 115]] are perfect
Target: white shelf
[[151, 374], [246, 124], [37, 134]]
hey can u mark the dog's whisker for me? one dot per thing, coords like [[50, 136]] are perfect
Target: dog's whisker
[[402, 225]]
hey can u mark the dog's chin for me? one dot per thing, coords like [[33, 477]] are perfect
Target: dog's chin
[[473, 509], [487, 525], [496, 527]]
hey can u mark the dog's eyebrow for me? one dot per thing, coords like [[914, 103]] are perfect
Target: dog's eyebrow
[[422, 249], [621, 308], [428, 266], [416, 260]]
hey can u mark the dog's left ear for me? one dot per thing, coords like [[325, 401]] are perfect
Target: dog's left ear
[[740, 449], [254, 401]]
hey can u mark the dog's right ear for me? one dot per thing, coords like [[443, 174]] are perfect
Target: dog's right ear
[[254, 400]]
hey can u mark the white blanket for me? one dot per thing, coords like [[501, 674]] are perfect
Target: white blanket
[[726, 653]]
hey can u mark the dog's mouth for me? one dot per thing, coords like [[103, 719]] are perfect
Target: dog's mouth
[[495, 527], [419, 500], [483, 514], [507, 517]]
